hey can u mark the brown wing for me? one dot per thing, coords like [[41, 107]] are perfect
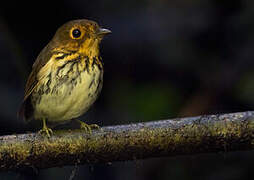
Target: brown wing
[[26, 109]]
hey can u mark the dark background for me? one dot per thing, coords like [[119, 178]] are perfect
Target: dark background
[[164, 59]]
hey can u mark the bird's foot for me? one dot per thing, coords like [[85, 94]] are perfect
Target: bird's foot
[[46, 131], [88, 128]]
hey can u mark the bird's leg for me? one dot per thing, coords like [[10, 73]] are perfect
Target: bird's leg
[[86, 127], [45, 129]]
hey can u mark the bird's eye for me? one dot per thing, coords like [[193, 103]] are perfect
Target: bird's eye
[[76, 33]]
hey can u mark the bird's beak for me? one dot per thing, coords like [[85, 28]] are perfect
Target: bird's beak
[[103, 31]]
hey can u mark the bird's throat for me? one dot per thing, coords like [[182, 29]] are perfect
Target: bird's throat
[[90, 48]]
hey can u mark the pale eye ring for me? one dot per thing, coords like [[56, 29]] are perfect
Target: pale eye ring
[[76, 33]]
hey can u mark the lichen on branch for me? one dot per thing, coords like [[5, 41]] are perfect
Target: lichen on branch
[[181, 136]]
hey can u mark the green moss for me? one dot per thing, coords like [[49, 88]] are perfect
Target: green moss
[[186, 136]]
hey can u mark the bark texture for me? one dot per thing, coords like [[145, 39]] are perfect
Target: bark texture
[[181, 136]]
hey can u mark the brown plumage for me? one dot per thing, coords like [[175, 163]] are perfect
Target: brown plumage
[[68, 71]]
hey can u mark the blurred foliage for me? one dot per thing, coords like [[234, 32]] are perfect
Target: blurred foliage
[[164, 59], [145, 102], [246, 87]]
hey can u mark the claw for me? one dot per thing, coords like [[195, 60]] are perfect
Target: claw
[[48, 132], [94, 126], [88, 128], [45, 129]]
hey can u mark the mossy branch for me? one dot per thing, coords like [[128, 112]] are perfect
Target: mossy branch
[[181, 136]]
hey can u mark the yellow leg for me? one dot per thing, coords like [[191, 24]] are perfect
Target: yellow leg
[[45, 129], [88, 128]]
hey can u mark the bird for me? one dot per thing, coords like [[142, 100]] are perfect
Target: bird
[[66, 77]]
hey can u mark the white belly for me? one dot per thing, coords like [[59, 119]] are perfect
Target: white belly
[[69, 101]]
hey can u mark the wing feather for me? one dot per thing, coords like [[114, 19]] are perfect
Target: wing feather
[[26, 109]]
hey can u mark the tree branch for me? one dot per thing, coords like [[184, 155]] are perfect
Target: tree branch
[[181, 136]]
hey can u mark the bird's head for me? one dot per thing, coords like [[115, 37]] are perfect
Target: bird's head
[[82, 36]]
